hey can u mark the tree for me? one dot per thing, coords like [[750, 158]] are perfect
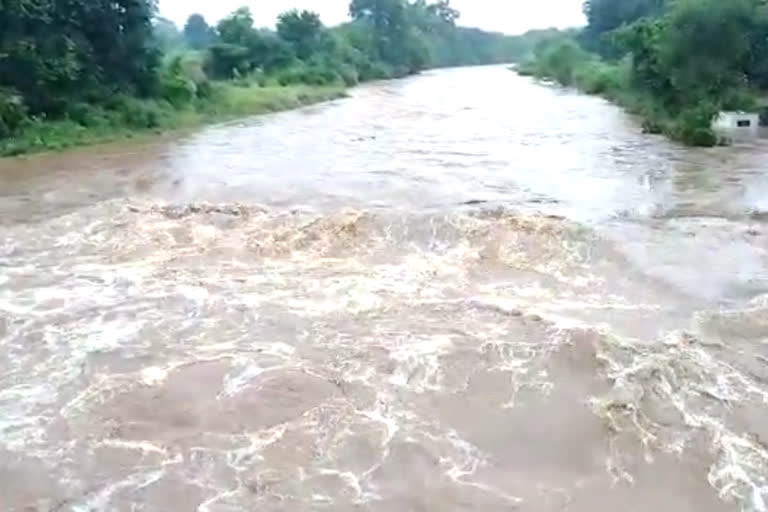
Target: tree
[[226, 60], [167, 33], [302, 29], [442, 10], [397, 41], [388, 21], [757, 63], [197, 32], [237, 28], [704, 47], [241, 48], [56, 53], [605, 16]]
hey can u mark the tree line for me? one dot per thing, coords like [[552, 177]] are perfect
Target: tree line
[[678, 63], [66, 59]]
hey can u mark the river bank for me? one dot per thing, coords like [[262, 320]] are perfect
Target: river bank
[[563, 62], [131, 117], [653, 59]]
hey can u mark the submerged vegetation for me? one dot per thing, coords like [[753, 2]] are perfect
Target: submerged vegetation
[[76, 71], [676, 63]]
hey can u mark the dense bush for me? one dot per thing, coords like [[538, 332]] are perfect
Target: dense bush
[[310, 75], [226, 61], [597, 77], [348, 74], [693, 126], [57, 52], [175, 86], [12, 112]]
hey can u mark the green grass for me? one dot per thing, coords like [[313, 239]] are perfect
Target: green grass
[[130, 117]]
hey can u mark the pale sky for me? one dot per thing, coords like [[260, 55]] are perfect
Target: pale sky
[[510, 16]]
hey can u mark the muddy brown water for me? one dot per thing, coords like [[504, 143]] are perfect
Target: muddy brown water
[[463, 291]]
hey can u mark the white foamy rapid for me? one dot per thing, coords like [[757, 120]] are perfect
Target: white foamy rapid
[[232, 357]]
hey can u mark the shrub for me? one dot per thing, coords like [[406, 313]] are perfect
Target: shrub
[[13, 113], [740, 98], [375, 71], [349, 76], [175, 86], [596, 77], [559, 59], [141, 113], [226, 60], [260, 78], [204, 90], [693, 126], [652, 125], [88, 115], [177, 90], [309, 75], [287, 77], [526, 69]]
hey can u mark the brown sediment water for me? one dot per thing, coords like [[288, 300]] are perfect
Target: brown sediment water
[[463, 291]]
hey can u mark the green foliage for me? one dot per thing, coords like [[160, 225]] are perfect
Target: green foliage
[[686, 60], [399, 31], [52, 52], [598, 77], [167, 35], [197, 33], [237, 28], [559, 59], [310, 75], [175, 87], [349, 75], [127, 117], [605, 16], [77, 70], [386, 39], [302, 30], [226, 61], [692, 126], [702, 48], [140, 114], [13, 112]]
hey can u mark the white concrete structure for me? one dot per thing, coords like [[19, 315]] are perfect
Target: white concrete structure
[[737, 122]]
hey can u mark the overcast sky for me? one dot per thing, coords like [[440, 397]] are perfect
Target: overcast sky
[[510, 16]]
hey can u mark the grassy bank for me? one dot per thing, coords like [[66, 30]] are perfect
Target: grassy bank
[[566, 63], [691, 126], [128, 117]]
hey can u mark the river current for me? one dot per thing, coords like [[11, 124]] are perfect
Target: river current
[[462, 291]]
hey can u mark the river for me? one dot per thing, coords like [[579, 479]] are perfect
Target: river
[[462, 291]]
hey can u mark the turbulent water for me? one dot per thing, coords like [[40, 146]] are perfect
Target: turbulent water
[[459, 292]]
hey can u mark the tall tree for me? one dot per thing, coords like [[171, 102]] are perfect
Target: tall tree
[[388, 21], [302, 29], [442, 10], [237, 28], [56, 52], [605, 16], [705, 46], [167, 33], [397, 40], [241, 48], [197, 32]]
